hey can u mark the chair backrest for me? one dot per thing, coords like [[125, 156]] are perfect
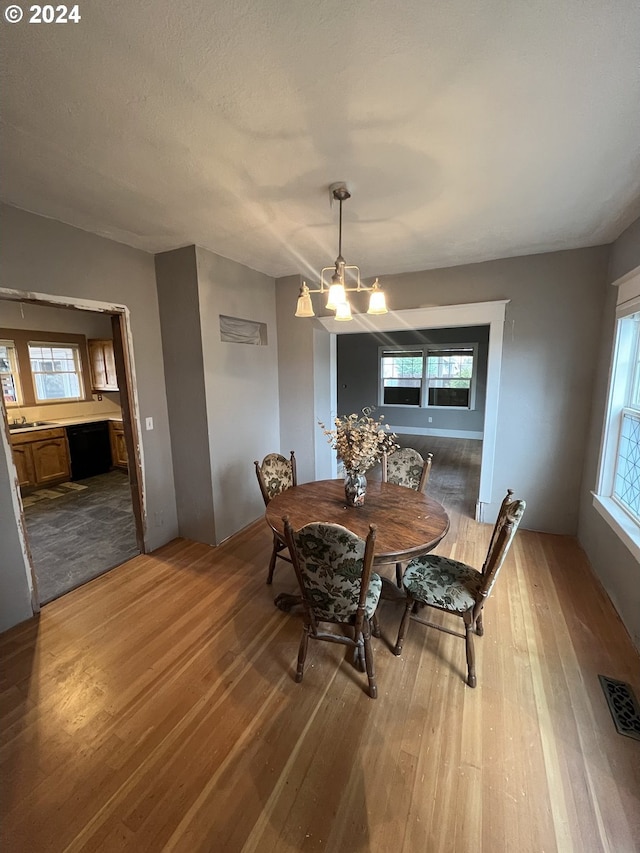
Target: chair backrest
[[509, 517], [275, 474], [406, 467], [333, 567]]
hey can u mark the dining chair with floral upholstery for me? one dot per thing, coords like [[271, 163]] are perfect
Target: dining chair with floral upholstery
[[275, 474], [457, 588], [406, 467], [333, 567]]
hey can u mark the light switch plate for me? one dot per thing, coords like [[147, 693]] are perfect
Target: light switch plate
[[148, 423]]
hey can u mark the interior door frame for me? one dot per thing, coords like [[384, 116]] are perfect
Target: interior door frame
[[125, 371], [490, 314]]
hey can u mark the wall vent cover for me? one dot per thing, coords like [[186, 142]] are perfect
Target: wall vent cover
[[235, 330], [623, 706]]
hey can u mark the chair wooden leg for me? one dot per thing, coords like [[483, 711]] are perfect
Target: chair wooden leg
[[479, 625], [368, 657], [471, 661], [375, 626], [402, 630], [302, 653], [274, 554], [399, 574]]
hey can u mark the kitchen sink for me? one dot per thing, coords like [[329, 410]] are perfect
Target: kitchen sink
[[28, 425]]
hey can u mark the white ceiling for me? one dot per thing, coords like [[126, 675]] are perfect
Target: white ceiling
[[466, 129]]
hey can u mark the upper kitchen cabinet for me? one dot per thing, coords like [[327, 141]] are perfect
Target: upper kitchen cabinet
[[103, 365]]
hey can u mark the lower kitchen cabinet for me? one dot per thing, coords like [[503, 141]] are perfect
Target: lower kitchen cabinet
[[23, 460], [119, 457], [41, 458]]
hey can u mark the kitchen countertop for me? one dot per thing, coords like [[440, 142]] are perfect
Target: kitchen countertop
[[64, 422]]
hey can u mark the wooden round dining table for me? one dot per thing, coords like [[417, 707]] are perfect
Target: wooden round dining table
[[409, 523]]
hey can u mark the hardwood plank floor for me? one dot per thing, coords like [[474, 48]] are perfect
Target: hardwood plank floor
[[154, 709]]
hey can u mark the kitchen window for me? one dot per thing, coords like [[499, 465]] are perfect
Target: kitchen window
[[56, 371], [9, 374], [437, 376], [43, 367]]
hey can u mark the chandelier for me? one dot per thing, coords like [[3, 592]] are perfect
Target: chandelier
[[336, 289]]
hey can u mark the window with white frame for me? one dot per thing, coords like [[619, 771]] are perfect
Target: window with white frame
[[617, 495], [402, 376], [9, 374], [57, 372], [449, 376], [430, 377], [626, 483]]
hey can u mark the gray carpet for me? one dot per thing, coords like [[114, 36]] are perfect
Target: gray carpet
[[80, 534]]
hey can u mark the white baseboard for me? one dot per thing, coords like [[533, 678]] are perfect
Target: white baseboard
[[445, 433]]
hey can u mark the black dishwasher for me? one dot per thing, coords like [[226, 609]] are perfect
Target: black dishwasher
[[89, 449]]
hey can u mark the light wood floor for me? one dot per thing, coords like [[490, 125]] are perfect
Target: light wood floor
[[155, 709]]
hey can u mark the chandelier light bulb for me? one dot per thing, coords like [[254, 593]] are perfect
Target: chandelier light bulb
[[336, 296], [377, 300], [343, 311], [305, 306]]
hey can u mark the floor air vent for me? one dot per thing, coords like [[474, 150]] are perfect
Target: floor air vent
[[623, 706]]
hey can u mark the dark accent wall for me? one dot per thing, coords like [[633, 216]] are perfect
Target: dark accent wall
[[358, 382]]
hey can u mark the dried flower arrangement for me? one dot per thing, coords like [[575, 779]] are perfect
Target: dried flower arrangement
[[360, 440]]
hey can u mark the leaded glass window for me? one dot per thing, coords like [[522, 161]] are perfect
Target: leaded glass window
[[627, 481]]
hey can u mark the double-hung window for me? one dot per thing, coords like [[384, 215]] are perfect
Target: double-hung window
[[57, 372], [9, 374], [626, 483], [428, 376], [617, 495], [402, 377], [449, 376]]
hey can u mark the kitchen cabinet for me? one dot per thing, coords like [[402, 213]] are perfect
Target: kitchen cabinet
[[119, 457], [23, 460], [103, 365], [41, 458]]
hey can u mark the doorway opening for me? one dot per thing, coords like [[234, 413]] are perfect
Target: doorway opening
[[76, 455], [491, 314]]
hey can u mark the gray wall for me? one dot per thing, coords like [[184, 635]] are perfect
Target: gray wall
[[625, 252], [359, 369], [301, 358], [548, 367], [241, 383], [614, 564], [15, 585], [46, 256], [179, 301], [22, 315], [223, 397]]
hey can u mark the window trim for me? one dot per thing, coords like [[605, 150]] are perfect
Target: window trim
[[22, 338], [426, 350], [14, 373], [77, 362], [382, 351], [625, 526]]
